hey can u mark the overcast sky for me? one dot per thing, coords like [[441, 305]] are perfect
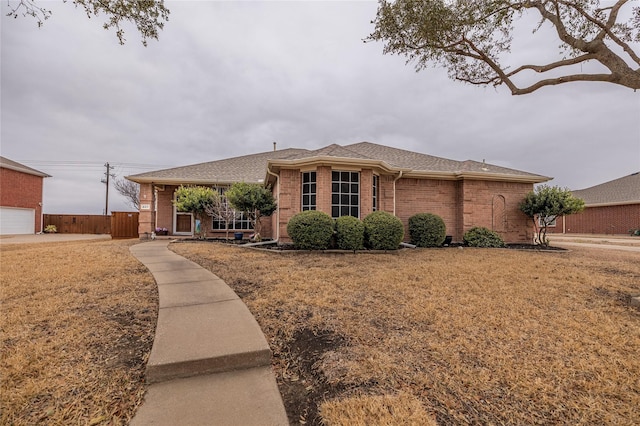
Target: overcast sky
[[230, 78]]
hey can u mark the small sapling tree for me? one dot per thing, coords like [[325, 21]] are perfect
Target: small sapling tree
[[196, 200], [545, 204], [252, 199], [222, 211]]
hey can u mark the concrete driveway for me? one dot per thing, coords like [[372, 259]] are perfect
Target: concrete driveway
[[605, 242], [50, 238]]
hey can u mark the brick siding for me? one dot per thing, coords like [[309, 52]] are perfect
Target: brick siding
[[22, 190], [600, 220], [462, 204]]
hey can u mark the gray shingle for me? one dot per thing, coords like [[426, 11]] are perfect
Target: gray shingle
[[253, 168], [623, 190]]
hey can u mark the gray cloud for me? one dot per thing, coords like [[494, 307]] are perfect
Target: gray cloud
[[229, 78]]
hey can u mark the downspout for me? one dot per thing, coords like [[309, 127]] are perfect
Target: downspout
[[278, 200], [155, 206], [394, 191]]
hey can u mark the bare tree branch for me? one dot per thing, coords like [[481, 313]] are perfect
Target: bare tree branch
[[471, 39], [129, 190]]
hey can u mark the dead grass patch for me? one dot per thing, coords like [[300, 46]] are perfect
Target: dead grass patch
[[78, 320], [475, 335]]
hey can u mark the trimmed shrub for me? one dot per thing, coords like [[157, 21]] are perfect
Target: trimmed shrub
[[427, 230], [479, 236], [349, 233], [383, 231], [311, 230]]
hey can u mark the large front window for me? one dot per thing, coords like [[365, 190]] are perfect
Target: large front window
[[309, 191], [237, 220], [345, 194]]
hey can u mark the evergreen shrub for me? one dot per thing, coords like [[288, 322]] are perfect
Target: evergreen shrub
[[383, 231], [482, 237], [311, 230], [349, 233], [427, 230]]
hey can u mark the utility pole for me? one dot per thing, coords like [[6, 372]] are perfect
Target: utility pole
[[106, 181]]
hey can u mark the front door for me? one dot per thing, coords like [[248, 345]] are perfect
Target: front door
[[184, 223]]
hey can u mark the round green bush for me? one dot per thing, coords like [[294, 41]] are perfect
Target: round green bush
[[383, 231], [479, 236], [427, 230], [311, 230], [349, 233]]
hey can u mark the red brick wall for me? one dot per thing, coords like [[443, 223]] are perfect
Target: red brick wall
[[601, 220], [22, 190], [479, 203], [427, 196]]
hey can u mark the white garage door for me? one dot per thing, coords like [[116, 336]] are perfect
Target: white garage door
[[17, 221]]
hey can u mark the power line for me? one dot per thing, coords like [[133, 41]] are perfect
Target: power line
[[72, 165]]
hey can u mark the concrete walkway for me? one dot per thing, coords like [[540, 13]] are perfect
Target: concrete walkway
[[210, 363]]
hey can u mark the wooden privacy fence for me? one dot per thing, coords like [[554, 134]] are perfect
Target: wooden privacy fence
[[119, 224], [79, 224], [124, 224]]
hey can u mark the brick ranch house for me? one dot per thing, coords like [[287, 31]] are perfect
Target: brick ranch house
[[20, 198], [352, 180], [610, 208]]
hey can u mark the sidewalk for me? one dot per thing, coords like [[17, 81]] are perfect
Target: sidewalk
[[210, 363]]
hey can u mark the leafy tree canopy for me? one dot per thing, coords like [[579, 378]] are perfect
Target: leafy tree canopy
[[148, 16], [253, 199], [197, 200], [545, 204], [471, 37]]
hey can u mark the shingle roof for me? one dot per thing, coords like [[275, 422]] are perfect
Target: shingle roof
[[428, 163], [247, 168], [14, 165], [253, 168], [624, 190]]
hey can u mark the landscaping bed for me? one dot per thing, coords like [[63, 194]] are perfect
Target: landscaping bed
[[445, 336]]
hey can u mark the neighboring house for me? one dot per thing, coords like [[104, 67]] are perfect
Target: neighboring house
[[20, 198], [610, 208], [352, 180]]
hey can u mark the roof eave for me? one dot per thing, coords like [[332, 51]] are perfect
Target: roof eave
[[180, 181], [477, 176], [613, 203], [32, 172], [333, 161]]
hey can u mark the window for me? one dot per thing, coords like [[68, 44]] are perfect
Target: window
[[238, 221], [549, 220], [309, 191], [345, 194], [376, 185]]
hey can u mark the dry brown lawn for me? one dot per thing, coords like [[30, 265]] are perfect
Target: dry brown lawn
[[445, 336], [77, 325]]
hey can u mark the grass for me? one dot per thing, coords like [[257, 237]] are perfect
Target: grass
[[445, 336], [77, 326]]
